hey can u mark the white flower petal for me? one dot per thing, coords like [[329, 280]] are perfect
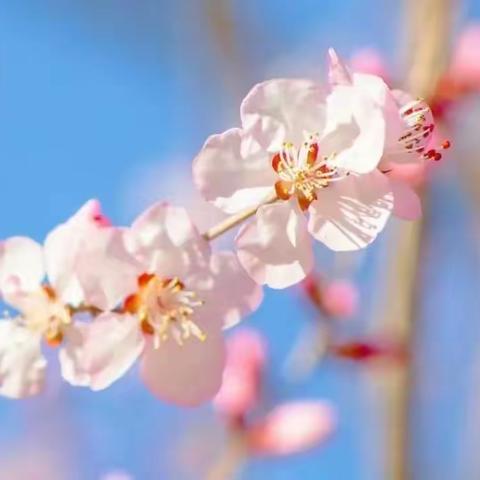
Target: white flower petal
[[215, 286], [87, 260], [355, 131], [97, 354], [350, 213], [22, 365], [107, 270], [21, 266], [61, 250], [283, 110], [407, 204], [186, 375], [390, 102], [275, 248], [166, 241], [233, 171], [338, 73]]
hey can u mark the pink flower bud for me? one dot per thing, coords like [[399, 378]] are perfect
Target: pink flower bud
[[242, 375], [358, 351], [340, 299], [246, 347], [365, 351], [292, 428], [92, 211]]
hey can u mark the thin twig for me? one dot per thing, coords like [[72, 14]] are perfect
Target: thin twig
[[428, 32], [235, 452], [234, 220]]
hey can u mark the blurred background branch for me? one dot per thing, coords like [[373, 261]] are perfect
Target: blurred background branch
[[428, 23]]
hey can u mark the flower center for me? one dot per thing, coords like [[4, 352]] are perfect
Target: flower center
[[165, 307], [46, 315], [302, 172], [416, 138], [418, 117]]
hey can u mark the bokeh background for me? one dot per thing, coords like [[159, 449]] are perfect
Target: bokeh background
[[111, 99]]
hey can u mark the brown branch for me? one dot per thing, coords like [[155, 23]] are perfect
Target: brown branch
[[234, 220], [429, 26]]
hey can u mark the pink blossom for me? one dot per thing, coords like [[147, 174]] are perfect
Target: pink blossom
[[463, 74], [247, 348], [336, 298], [296, 140], [45, 313], [369, 60], [340, 298], [292, 428], [173, 317], [86, 250], [409, 132], [465, 65], [240, 388]]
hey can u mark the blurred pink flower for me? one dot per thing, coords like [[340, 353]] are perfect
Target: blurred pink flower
[[247, 347], [173, 317], [334, 298], [240, 388], [296, 140], [292, 428], [465, 65], [285, 429], [369, 60], [45, 310], [340, 298], [463, 74]]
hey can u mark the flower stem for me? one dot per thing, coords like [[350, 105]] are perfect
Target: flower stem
[[400, 318], [236, 219], [212, 233], [231, 459], [84, 308]]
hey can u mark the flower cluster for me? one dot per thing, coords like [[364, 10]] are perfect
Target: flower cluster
[[153, 291], [285, 429], [322, 162], [309, 161]]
